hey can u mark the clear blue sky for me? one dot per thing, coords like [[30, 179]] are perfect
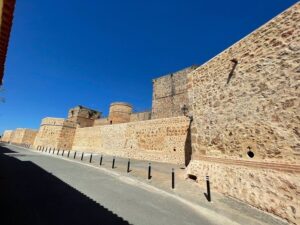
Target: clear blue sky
[[65, 53]]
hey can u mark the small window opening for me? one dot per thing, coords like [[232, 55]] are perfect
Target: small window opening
[[174, 149]]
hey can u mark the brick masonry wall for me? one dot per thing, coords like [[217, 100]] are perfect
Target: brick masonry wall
[[158, 140], [251, 105], [170, 94], [7, 136]]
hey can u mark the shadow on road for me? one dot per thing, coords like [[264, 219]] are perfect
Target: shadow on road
[[31, 195]]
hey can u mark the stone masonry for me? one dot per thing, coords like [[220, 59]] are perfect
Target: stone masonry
[[246, 122], [55, 133], [170, 94], [235, 119], [7, 136], [162, 140], [22, 136], [83, 116]]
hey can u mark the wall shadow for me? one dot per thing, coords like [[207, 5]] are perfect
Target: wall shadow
[[31, 195], [230, 75], [188, 146]]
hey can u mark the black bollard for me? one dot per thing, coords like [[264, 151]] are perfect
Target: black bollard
[[149, 171], [57, 152], [62, 154], [49, 150], [91, 158], [101, 160], [128, 166], [113, 163], [68, 154], [208, 189], [53, 151], [173, 178], [74, 155], [81, 156]]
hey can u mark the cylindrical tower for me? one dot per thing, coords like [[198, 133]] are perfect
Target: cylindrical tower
[[119, 112]]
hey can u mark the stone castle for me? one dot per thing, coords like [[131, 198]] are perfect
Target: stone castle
[[235, 118]]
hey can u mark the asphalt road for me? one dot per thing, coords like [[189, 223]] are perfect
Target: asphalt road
[[40, 189]]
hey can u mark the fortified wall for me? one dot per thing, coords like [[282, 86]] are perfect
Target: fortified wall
[[163, 140], [245, 105], [241, 128], [83, 116], [22, 136], [55, 133], [170, 94], [6, 137]]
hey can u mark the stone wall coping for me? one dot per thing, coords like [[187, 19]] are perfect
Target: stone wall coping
[[121, 103], [245, 37], [182, 118], [169, 74]]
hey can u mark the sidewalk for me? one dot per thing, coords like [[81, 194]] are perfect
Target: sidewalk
[[187, 189]]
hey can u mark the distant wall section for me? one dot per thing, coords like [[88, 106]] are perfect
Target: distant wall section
[[7, 135], [170, 94], [162, 140], [55, 133]]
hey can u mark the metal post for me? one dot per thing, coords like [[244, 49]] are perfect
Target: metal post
[[57, 152], [173, 178], [128, 166], [101, 160], [63, 153], [113, 163], [91, 158], [75, 155], [208, 188], [149, 171], [68, 153], [82, 156], [53, 151]]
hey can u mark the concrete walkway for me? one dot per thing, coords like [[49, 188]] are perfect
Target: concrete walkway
[[220, 210]]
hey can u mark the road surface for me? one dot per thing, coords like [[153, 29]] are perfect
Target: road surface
[[41, 189]]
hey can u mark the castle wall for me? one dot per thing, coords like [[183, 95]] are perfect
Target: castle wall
[[55, 133], [83, 116], [101, 121], [7, 136], [251, 106], [159, 140], [17, 138], [141, 116], [170, 94], [119, 112], [29, 137]]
